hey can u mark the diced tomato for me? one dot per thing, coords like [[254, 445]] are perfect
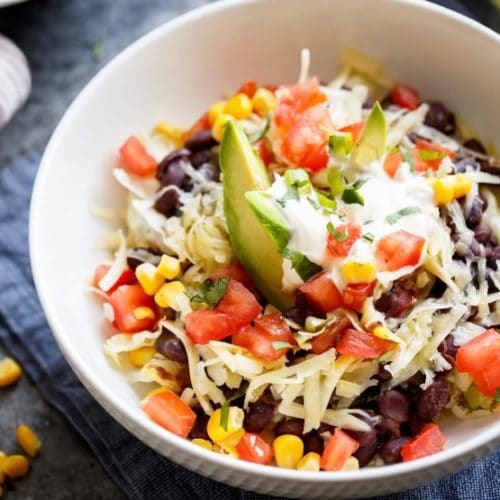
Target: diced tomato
[[428, 441], [170, 411], [340, 447], [264, 150], [330, 336], [338, 248], [136, 160], [355, 129], [480, 357], [204, 326], [239, 303], [305, 143], [253, 448], [127, 277], [405, 96], [124, 301], [424, 145], [363, 345], [355, 295], [321, 294], [295, 99], [235, 271], [260, 338], [248, 88], [202, 123], [400, 249], [392, 163]]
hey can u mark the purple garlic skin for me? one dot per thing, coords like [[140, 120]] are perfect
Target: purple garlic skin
[[15, 80]]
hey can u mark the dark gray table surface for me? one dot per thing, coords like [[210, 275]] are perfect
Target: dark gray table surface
[[66, 42]]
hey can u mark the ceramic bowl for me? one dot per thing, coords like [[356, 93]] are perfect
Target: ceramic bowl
[[172, 74]]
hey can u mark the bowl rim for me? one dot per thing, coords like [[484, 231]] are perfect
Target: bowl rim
[[139, 425]]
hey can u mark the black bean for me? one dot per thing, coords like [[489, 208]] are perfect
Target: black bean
[[475, 214], [258, 416], [389, 427], [169, 313], [175, 174], [210, 171], [438, 289], [386, 101], [440, 117], [395, 405], [171, 347], [199, 430], [178, 154], [313, 442], [201, 157], [448, 347], [289, 426], [466, 165], [367, 399], [382, 375], [136, 256], [433, 399], [396, 302], [168, 202], [475, 145], [483, 233], [493, 255], [415, 424], [200, 141], [368, 103], [390, 451], [297, 314], [326, 428], [368, 444]]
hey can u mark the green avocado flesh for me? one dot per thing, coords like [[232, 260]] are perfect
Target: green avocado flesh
[[372, 143], [243, 171]]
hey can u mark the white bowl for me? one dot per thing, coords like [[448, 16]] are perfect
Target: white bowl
[[174, 73]]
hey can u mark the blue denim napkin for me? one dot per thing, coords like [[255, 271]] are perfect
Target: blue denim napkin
[[139, 471]]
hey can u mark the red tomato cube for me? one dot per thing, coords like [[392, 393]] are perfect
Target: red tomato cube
[[239, 303], [136, 160], [400, 249], [321, 294], [253, 448], [340, 447], [363, 345], [428, 441], [204, 326]]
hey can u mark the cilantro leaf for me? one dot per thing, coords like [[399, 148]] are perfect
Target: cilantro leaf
[[340, 236], [292, 193], [326, 202], [313, 203], [210, 292], [224, 409], [393, 218], [368, 237], [304, 267], [257, 136], [408, 158], [351, 195]]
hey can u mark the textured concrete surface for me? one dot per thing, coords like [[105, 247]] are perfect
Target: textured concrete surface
[[66, 42]]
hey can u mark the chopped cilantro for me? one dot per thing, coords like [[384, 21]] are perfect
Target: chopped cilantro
[[210, 292], [304, 267], [408, 158], [313, 203], [292, 193], [368, 237], [338, 235], [224, 409], [370, 221], [326, 202], [351, 195], [393, 218], [336, 181]]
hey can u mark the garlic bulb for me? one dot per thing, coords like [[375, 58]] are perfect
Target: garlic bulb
[[15, 79]]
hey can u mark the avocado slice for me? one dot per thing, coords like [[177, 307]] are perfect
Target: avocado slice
[[270, 217], [372, 143], [243, 171]]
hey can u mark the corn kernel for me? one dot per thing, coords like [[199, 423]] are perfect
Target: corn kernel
[[215, 111], [461, 185], [10, 372], [148, 278], [139, 357], [351, 464], [143, 312], [167, 295], [3, 456], [219, 126], [263, 101], [384, 333], [239, 106], [288, 450], [169, 267], [204, 443], [15, 466], [229, 444], [443, 191], [358, 272], [170, 132], [215, 429], [28, 440], [310, 461]]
